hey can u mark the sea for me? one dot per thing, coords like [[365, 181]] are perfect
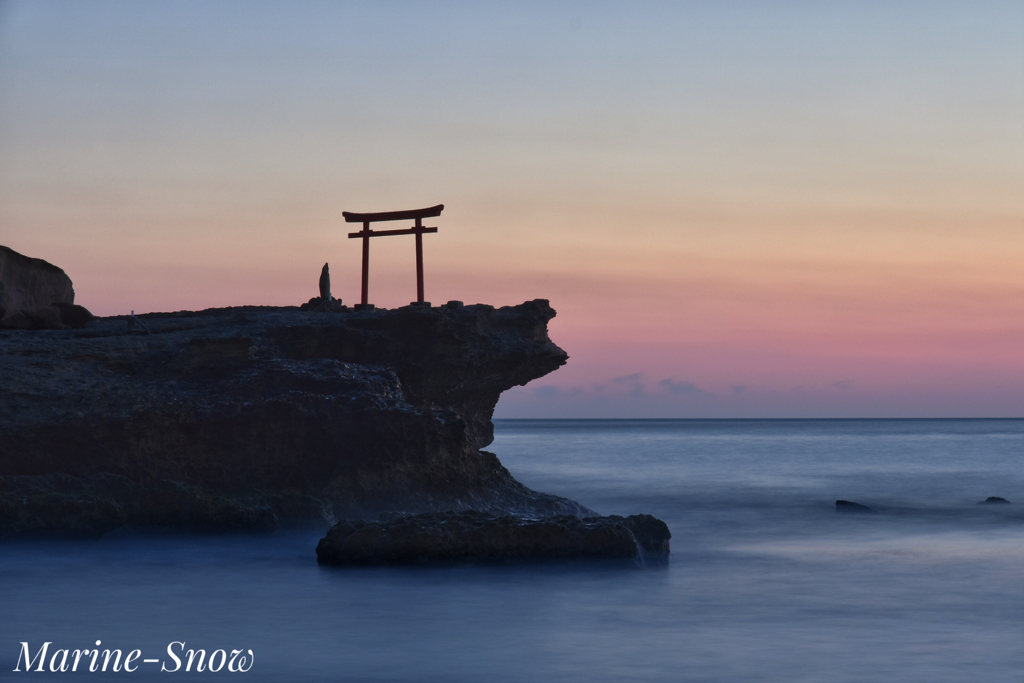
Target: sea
[[766, 581]]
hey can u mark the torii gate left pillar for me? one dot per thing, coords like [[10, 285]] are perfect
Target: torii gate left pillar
[[366, 233]]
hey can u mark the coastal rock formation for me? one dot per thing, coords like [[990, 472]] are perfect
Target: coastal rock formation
[[247, 417], [31, 282], [994, 500], [472, 536], [36, 295]]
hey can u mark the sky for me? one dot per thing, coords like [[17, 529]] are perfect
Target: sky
[[738, 209]]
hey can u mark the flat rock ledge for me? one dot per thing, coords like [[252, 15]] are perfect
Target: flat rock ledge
[[258, 417], [472, 536]]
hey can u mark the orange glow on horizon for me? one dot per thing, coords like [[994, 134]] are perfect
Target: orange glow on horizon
[[810, 202]]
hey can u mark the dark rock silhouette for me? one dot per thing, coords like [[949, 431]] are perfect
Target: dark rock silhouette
[[318, 305], [36, 295], [325, 283], [17, 321], [44, 317], [57, 504], [31, 282], [994, 500], [252, 416], [74, 315], [846, 506], [472, 536], [59, 316]]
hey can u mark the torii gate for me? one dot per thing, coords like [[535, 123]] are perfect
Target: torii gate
[[418, 230]]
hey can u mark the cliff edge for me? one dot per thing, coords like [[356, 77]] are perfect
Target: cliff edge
[[250, 417]]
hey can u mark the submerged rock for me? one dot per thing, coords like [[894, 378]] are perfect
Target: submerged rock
[[994, 500], [473, 536], [252, 416], [846, 506]]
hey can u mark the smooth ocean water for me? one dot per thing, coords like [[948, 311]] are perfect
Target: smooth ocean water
[[765, 582]]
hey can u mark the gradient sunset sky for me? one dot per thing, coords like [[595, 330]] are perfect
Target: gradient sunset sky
[[738, 209]]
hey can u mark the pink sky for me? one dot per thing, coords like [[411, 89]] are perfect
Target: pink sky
[[784, 215]]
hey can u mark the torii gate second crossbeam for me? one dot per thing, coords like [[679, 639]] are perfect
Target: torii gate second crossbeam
[[366, 218]]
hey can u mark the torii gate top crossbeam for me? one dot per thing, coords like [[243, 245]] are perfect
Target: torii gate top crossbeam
[[429, 212]]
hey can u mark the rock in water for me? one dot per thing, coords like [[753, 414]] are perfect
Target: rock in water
[[30, 283], [325, 284], [847, 506], [238, 416], [472, 536], [994, 500]]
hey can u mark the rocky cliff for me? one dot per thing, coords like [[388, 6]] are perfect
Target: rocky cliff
[[27, 282], [35, 294], [254, 416]]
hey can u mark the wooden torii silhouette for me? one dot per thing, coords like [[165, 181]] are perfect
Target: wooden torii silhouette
[[366, 218]]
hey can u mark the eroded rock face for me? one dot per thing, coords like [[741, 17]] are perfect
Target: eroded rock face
[[36, 295], [232, 417], [31, 282], [472, 536]]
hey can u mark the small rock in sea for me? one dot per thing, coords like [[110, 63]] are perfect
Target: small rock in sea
[[994, 500], [472, 536], [847, 506]]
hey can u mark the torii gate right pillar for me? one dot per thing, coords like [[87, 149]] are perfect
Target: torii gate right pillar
[[419, 260]]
